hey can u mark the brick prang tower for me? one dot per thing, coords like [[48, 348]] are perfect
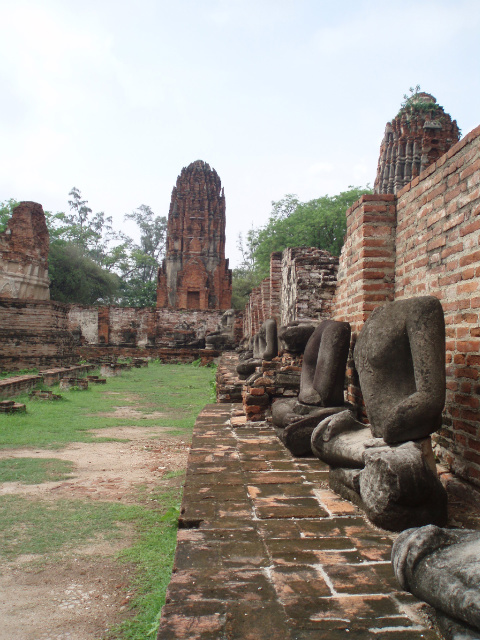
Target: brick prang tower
[[195, 273], [414, 139]]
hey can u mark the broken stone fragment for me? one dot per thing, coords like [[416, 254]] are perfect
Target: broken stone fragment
[[295, 335], [442, 567], [400, 488]]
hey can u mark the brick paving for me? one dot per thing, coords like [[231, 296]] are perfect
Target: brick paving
[[266, 551]]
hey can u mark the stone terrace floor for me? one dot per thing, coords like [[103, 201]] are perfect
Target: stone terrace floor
[[266, 551]]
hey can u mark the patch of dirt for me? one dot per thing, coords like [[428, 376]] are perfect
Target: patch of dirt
[[135, 414], [78, 598], [85, 593], [108, 470]]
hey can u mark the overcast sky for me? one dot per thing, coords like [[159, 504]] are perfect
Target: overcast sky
[[279, 96]]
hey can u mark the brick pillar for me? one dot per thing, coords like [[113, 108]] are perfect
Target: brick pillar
[[103, 325], [151, 327], [247, 320], [366, 273], [265, 300], [275, 285]]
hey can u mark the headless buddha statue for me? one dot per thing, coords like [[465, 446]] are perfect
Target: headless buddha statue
[[389, 467], [321, 387]]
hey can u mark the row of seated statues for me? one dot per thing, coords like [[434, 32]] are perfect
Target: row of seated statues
[[263, 346], [387, 467]]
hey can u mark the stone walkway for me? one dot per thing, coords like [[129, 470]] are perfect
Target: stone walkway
[[266, 551]]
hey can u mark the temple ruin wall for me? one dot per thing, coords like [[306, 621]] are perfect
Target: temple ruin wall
[[423, 241], [301, 286], [438, 253], [34, 333], [148, 327]]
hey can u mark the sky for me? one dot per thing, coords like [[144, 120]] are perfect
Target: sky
[[280, 97]]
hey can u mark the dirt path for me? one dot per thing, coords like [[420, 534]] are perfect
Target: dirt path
[[86, 592]]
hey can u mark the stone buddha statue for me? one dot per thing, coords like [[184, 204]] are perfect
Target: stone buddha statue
[[321, 387], [265, 347], [389, 467]]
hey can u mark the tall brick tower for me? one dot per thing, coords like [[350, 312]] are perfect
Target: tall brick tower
[[416, 137], [195, 273]]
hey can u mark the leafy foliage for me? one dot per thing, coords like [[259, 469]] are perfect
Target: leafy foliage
[[245, 277], [139, 271], [76, 277], [317, 223], [91, 263], [416, 102], [6, 209]]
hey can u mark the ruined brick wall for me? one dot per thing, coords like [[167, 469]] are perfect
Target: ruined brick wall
[[195, 273], [253, 316], [131, 327], [94, 353], [276, 286], [438, 253], [125, 326], [24, 254], [308, 284], [34, 334], [265, 299], [177, 327], [140, 328], [301, 286], [83, 322]]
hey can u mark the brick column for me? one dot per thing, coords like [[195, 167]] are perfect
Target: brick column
[[366, 270], [275, 285], [103, 325]]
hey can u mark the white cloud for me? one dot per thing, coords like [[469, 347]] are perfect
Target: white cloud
[[251, 14], [406, 29], [320, 167]]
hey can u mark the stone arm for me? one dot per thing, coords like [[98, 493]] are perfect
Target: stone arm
[[271, 340], [324, 362], [419, 414], [307, 394], [331, 364]]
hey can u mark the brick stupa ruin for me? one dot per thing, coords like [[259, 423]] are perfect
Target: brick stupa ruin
[[195, 273], [414, 139], [24, 254]]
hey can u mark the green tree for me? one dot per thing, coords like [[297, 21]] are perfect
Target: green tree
[[246, 276], [92, 233], [292, 223], [317, 223], [6, 210], [139, 270], [75, 277]]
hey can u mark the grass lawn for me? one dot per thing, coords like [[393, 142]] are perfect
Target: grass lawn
[[176, 393], [34, 470]]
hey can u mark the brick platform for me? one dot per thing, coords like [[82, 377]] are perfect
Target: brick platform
[[16, 385], [267, 552], [229, 386]]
